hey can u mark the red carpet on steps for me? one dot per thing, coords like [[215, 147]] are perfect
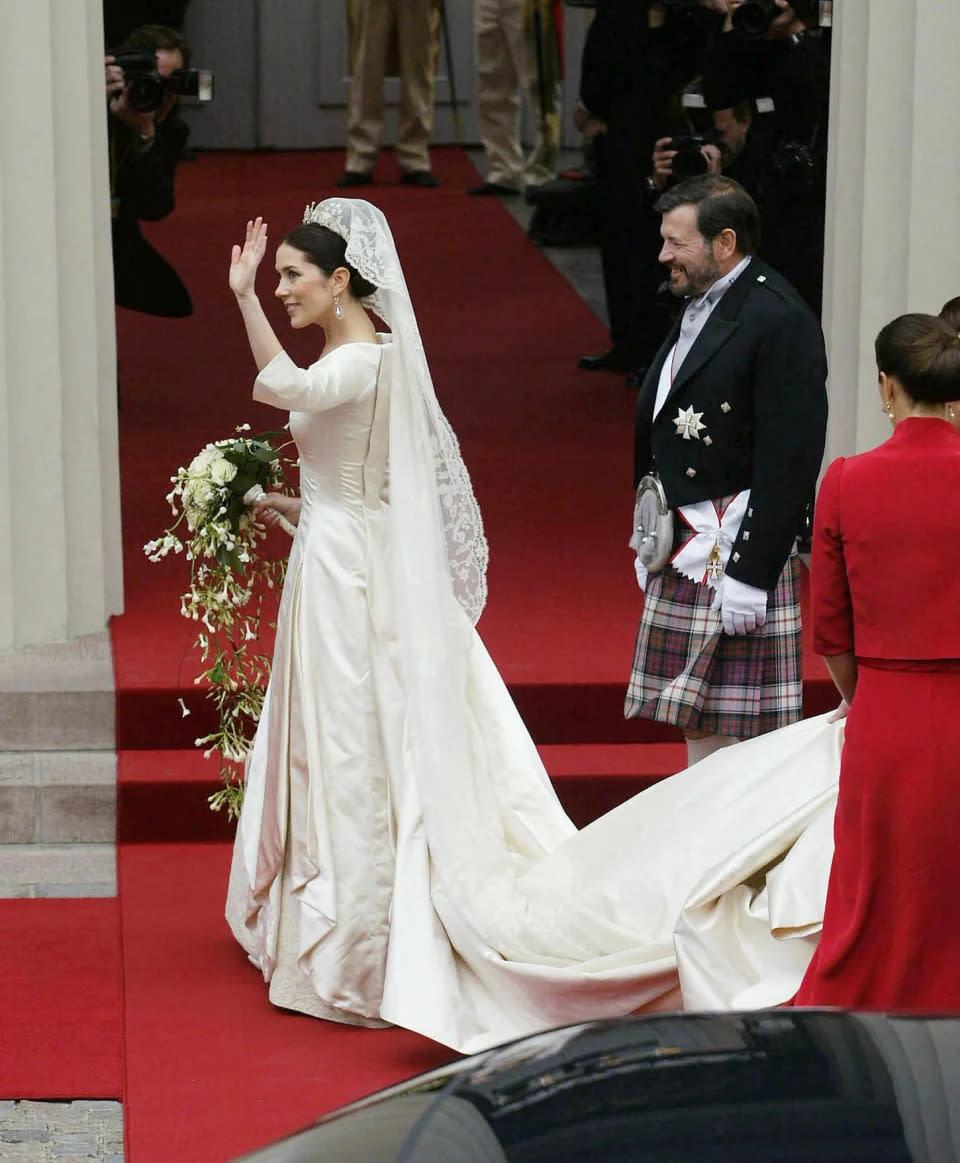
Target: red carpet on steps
[[162, 793], [61, 1015], [212, 1069], [548, 446]]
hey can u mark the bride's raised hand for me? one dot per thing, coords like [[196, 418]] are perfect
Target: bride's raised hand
[[245, 260]]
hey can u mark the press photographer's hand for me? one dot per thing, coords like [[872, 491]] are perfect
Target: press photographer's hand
[[588, 125], [663, 157], [137, 122], [245, 260], [713, 158]]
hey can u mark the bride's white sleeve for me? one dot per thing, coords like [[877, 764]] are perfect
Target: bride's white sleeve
[[348, 373]]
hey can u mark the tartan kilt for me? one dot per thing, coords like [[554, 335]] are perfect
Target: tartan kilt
[[686, 671]]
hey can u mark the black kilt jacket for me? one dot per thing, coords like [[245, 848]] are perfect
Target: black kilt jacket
[[755, 379]]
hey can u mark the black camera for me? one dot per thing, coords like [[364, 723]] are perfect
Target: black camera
[[689, 162], [146, 88], [755, 17]]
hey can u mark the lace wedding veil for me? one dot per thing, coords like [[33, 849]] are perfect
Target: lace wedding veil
[[428, 478]]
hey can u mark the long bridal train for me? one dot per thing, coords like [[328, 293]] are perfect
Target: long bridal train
[[704, 892]]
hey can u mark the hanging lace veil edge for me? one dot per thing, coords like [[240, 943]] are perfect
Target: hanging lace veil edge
[[433, 505]]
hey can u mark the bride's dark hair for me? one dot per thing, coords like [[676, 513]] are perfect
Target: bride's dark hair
[[327, 250], [923, 352]]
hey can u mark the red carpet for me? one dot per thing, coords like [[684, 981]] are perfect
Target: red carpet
[[548, 446], [162, 793], [61, 1021], [213, 1070]]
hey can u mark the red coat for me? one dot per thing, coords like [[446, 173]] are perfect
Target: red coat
[[886, 584], [885, 572]]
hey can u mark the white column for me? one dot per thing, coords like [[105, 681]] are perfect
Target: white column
[[893, 192], [60, 555]]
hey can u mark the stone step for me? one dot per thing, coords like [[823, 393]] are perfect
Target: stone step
[[58, 697], [58, 1132], [58, 870], [58, 797]]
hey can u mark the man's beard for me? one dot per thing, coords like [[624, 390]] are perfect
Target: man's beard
[[696, 281]]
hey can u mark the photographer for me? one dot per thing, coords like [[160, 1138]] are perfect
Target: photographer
[[146, 140], [636, 54], [765, 105], [723, 147], [784, 54]]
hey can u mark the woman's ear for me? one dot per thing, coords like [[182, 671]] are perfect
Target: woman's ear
[[339, 280], [883, 386], [889, 387]]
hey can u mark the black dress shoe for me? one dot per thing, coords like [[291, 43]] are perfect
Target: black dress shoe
[[354, 178], [493, 188], [611, 361], [420, 178]]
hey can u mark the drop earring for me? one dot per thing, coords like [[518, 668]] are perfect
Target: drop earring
[[337, 309]]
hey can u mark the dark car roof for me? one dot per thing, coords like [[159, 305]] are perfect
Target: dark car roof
[[765, 1086]]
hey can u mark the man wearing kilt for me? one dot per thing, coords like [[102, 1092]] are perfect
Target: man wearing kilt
[[731, 418]]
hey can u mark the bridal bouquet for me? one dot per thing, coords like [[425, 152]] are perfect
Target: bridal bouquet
[[229, 583]]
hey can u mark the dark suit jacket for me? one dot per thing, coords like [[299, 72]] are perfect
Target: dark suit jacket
[[143, 190], [757, 374], [628, 69]]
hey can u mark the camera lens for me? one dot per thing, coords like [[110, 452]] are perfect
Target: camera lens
[[145, 92], [755, 17]]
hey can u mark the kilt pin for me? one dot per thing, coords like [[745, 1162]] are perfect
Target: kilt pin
[[746, 410]]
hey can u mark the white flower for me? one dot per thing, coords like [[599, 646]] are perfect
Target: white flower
[[222, 470], [200, 464]]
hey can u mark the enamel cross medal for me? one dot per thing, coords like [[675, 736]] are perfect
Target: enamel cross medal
[[689, 423], [714, 564]]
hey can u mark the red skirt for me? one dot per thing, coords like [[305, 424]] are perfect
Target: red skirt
[[891, 930]]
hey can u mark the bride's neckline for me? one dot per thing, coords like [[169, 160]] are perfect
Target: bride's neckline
[[380, 341]]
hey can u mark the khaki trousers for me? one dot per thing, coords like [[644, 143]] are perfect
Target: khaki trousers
[[417, 28], [507, 68]]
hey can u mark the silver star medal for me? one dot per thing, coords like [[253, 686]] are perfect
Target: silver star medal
[[689, 423]]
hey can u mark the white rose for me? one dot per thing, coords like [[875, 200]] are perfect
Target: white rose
[[200, 464], [199, 495], [222, 471], [197, 501]]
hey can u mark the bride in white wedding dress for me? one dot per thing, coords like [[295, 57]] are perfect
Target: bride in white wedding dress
[[401, 856]]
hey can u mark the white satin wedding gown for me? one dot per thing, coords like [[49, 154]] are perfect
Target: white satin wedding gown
[[468, 907]]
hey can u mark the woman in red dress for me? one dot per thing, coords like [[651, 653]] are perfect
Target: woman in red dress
[[885, 581]]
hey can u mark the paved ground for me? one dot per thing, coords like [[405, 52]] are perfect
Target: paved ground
[[61, 1132], [580, 265]]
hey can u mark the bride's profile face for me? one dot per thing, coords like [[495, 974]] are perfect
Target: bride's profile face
[[303, 288]]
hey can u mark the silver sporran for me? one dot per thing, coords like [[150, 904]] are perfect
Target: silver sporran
[[652, 525]]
